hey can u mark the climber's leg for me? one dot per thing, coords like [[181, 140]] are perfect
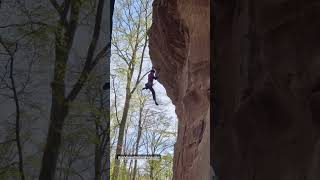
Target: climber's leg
[[153, 94], [146, 86]]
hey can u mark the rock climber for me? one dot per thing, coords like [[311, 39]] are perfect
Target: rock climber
[[149, 85]]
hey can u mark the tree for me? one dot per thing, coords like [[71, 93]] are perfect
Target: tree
[[13, 83], [17, 105], [99, 115], [142, 102], [64, 38], [157, 140], [33, 26], [130, 40]]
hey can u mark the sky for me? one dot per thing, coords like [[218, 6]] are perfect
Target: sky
[[165, 103]]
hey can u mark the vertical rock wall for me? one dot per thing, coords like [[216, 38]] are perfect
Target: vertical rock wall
[[180, 51], [267, 57]]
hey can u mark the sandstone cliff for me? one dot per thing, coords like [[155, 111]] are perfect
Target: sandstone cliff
[[180, 51], [267, 87]]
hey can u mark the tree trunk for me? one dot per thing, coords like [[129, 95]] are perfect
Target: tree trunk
[[125, 152], [151, 169], [121, 134], [51, 151], [97, 162], [137, 143], [130, 169], [17, 128], [59, 108], [64, 37], [102, 146]]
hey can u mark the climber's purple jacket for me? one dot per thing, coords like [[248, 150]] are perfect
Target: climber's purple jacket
[[151, 77]]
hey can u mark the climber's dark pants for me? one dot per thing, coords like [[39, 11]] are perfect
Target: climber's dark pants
[[149, 86]]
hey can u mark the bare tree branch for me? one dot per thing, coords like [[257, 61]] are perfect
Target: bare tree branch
[[17, 106], [115, 99], [24, 24], [140, 68], [56, 6]]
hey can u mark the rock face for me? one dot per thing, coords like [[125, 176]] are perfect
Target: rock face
[[267, 79], [180, 51]]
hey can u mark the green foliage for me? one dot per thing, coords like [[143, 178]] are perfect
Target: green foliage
[[124, 58], [9, 173], [34, 24], [33, 161]]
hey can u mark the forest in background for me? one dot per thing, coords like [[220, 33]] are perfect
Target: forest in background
[[54, 113], [56, 121], [138, 126]]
